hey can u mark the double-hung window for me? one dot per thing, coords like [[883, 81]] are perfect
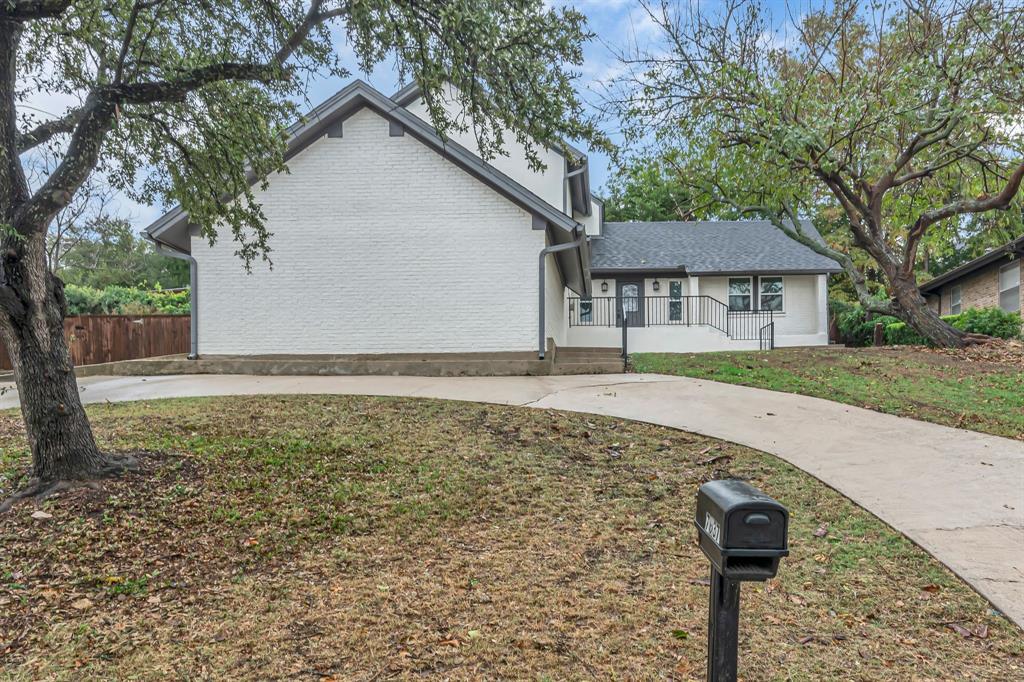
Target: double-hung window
[[1009, 287], [740, 297], [675, 301], [955, 298], [772, 294]]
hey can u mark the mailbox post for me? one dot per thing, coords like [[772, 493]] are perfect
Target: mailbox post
[[744, 534]]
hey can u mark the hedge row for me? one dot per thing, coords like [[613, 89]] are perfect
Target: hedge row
[[856, 330], [115, 300]]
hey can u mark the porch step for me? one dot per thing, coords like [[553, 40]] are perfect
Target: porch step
[[589, 367], [588, 360]]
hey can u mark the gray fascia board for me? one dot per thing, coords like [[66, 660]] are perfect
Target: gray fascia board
[[357, 95]]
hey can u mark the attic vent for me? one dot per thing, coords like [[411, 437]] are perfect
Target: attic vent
[[336, 130]]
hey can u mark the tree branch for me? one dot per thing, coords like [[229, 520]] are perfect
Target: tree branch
[[43, 132], [983, 204], [34, 9]]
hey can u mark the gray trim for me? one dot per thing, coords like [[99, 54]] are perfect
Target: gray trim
[[542, 282], [396, 129], [358, 95], [337, 130], [1011, 249], [539, 223], [193, 277]]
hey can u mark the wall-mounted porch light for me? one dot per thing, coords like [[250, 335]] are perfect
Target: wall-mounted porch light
[[656, 286], [604, 287]]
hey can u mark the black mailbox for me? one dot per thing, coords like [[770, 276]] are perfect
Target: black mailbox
[[742, 531]]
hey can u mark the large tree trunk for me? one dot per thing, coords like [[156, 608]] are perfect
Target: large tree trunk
[[58, 430], [913, 309]]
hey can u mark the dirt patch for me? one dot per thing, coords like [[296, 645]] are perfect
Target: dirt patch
[[370, 538]]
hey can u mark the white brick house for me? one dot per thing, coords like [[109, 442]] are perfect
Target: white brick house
[[388, 239]]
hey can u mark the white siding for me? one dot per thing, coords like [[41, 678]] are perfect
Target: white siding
[[592, 223], [548, 184], [379, 246], [556, 321]]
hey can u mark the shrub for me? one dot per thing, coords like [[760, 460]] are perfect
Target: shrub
[[990, 321], [118, 300], [82, 300], [902, 334]]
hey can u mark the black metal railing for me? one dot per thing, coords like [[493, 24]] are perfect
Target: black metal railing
[[766, 337], [658, 311], [745, 325]]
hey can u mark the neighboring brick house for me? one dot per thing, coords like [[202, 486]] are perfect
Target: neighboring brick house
[[989, 281], [389, 239]]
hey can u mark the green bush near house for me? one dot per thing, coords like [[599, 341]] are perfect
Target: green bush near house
[[118, 300], [988, 321], [855, 329], [991, 321]]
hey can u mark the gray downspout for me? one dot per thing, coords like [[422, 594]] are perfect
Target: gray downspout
[[193, 280], [542, 281]]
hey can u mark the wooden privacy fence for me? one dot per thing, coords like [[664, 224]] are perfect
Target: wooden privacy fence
[[108, 338]]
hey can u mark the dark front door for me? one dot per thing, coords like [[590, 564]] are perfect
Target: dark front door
[[630, 302]]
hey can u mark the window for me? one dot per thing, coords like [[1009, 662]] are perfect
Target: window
[[586, 310], [954, 300], [1009, 287], [675, 301], [739, 293], [772, 294]]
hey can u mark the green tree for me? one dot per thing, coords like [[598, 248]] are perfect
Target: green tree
[[647, 188], [188, 100], [117, 256], [902, 114]]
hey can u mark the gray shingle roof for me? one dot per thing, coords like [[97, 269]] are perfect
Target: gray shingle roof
[[706, 247]]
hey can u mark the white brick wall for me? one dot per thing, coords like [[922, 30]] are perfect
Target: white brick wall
[[548, 183], [380, 246]]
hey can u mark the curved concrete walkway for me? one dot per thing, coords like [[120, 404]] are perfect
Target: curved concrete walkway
[[959, 494]]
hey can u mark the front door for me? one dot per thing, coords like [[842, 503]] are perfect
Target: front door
[[631, 302]]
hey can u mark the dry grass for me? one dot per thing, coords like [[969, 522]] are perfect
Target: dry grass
[[368, 538]]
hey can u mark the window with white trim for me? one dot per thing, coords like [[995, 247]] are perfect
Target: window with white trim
[[740, 293], [1009, 287], [955, 295], [772, 294], [675, 301]]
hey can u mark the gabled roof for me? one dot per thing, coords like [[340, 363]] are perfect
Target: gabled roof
[[578, 165], [172, 227], [1006, 251], [705, 248]]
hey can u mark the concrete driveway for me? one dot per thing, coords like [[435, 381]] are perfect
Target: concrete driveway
[[959, 494]]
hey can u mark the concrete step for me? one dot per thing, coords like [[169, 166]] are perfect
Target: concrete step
[[593, 367]]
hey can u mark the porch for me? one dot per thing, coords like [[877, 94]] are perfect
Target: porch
[[692, 323]]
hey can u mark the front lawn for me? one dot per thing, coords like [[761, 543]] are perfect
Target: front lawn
[[980, 389], [375, 538]]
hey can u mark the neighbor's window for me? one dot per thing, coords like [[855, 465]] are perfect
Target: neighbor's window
[[739, 293], [772, 294], [586, 310], [954, 300], [1009, 287], [675, 301]]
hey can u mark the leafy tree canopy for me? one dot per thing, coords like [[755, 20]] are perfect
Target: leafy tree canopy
[[186, 101], [905, 115]]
